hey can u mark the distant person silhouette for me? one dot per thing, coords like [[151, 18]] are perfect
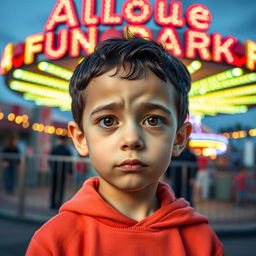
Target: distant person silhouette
[[59, 171], [10, 165]]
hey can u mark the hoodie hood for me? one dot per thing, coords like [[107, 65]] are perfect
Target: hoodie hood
[[172, 212]]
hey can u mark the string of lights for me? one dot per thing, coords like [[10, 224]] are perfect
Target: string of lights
[[24, 121]]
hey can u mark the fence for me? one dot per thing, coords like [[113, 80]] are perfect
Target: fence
[[33, 182]]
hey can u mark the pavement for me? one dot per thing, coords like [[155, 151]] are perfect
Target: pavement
[[15, 236]]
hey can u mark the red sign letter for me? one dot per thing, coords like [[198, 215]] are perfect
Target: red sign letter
[[222, 48], [62, 48], [137, 17], [108, 15], [33, 45], [198, 17], [88, 16], [63, 12], [197, 41], [175, 16], [170, 39], [80, 40]]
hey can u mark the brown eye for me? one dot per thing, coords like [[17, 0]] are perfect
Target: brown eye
[[107, 121], [153, 121]]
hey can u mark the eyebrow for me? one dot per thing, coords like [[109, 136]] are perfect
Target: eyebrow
[[154, 106], [145, 105], [110, 106]]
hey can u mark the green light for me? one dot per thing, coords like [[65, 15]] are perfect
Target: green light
[[18, 73], [217, 108], [239, 91], [49, 101], [194, 66], [55, 70], [241, 100], [210, 82], [40, 79], [245, 79], [43, 65], [39, 90], [237, 72]]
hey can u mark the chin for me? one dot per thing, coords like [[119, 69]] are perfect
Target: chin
[[132, 185]]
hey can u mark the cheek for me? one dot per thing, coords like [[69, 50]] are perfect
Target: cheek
[[100, 147], [161, 147]]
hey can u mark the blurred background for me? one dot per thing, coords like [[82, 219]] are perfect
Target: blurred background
[[41, 42]]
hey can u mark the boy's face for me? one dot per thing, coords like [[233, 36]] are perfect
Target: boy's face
[[129, 120]]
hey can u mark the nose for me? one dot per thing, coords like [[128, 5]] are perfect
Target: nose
[[132, 140]]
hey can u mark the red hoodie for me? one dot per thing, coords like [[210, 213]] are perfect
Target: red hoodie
[[87, 225]]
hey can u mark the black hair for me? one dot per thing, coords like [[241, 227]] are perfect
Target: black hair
[[140, 54]]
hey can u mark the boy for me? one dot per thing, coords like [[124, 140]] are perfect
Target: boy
[[129, 103]]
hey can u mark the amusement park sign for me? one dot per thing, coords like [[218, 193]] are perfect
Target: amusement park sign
[[67, 34]]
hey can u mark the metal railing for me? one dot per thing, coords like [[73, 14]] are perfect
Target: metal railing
[[31, 197]]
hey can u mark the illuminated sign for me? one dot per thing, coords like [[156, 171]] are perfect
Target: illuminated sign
[[80, 34]]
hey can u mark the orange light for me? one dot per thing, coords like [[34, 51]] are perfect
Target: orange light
[[1, 115], [197, 151], [242, 134], [226, 134], [35, 126], [41, 127], [138, 30], [64, 132], [11, 117], [33, 45], [25, 118], [58, 131], [63, 12], [51, 129], [18, 119], [213, 157], [6, 62], [250, 47], [252, 132], [25, 125], [175, 14], [235, 135]]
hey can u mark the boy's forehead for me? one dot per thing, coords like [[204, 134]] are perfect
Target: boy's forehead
[[113, 84], [106, 89]]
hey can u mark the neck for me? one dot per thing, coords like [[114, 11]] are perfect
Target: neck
[[136, 205]]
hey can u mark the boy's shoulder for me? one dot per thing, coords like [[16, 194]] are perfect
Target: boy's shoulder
[[62, 227], [203, 235]]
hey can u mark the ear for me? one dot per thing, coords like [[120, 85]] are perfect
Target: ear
[[181, 139], [78, 138]]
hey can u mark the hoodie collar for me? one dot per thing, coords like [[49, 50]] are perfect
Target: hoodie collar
[[172, 212]]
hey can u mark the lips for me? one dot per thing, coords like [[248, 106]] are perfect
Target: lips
[[131, 165]]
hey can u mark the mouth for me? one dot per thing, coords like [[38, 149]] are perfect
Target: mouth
[[131, 165]]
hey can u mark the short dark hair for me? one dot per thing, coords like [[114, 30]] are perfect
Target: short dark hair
[[140, 54]]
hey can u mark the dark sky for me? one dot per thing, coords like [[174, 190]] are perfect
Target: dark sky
[[18, 19]]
